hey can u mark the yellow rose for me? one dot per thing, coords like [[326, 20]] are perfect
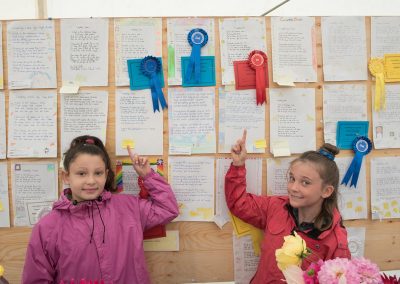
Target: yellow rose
[[293, 251], [1, 270]]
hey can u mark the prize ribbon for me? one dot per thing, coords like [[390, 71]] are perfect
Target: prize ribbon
[[150, 67], [377, 68], [361, 147], [258, 61], [197, 38]]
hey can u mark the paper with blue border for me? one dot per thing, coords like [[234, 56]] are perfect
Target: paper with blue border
[[207, 72], [347, 131], [137, 80]]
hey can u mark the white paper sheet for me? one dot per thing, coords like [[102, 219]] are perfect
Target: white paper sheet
[[191, 117], [386, 122], [3, 148], [32, 124], [385, 36], [292, 118], [356, 240], [1, 58], [253, 181], [34, 187], [136, 121], [84, 51], [135, 38], [294, 49], [192, 180], [277, 170], [84, 113], [237, 111], [245, 261], [178, 45], [239, 37], [352, 201], [385, 191], [343, 103], [4, 200], [344, 48], [31, 54]]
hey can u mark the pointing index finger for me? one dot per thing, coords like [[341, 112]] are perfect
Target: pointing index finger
[[244, 136]]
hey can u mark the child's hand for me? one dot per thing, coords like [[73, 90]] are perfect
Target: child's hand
[[140, 164], [238, 151]]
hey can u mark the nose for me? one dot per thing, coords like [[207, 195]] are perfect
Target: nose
[[292, 186], [90, 179]]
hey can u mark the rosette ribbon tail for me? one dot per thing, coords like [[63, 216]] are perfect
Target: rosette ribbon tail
[[353, 171], [194, 64], [157, 95], [260, 86]]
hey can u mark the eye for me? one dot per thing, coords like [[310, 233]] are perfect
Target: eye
[[305, 182], [291, 178], [99, 173], [81, 173]]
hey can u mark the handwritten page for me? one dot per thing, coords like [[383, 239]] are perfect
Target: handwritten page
[[356, 240], [386, 122], [385, 36], [178, 45], [3, 148], [344, 48], [4, 200], [32, 124], [84, 113], [253, 180], [31, 54], [245, 260], [136, 122], [34, 188], [135, 38], [292, 118], [239, 37], [84, 51], [191, 114], [343, 103], [237, 111], [352, 201], [385, 191], [294, 49], [277, 173], [192, 180], [1, 58]]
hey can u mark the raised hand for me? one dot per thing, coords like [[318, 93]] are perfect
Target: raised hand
[[140, 164], [238, 150]]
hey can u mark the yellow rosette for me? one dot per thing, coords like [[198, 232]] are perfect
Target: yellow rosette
[[293, 251], [377, 68]]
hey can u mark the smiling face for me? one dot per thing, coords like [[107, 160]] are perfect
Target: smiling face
[[306, 189], [86, 177]]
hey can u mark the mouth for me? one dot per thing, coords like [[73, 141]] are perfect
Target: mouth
[[89, 190], [295, 197]]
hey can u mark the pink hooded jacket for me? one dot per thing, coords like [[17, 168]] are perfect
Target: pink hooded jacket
[[100, 239], [271, 214]]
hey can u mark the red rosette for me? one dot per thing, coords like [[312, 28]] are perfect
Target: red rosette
[[258, 61]]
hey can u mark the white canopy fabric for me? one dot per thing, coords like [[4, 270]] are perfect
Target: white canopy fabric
[[28, 9]]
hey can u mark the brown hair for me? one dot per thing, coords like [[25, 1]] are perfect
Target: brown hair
[[91, 145], [329, 173]]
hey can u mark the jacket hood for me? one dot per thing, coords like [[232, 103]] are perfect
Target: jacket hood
[[65, 201]]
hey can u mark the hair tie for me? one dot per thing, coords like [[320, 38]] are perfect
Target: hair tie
[[327, 154], [89, 141]]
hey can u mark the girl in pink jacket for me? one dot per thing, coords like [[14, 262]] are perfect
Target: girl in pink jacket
[[91, 233], [310, 208]]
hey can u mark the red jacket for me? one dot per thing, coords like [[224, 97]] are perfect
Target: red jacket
[[271, 214]]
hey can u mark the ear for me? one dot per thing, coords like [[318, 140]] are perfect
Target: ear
[[65, 177], [327, 191]]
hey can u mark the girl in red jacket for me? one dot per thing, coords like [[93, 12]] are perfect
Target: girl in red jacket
[[310, 208]]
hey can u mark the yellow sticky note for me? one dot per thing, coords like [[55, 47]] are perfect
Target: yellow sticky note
[[128, 142], [280, 148], [386, 205], [1, 206], [260, 144], [169, 243], [358, 209], [207, 213], [392, 67], [349, 205]]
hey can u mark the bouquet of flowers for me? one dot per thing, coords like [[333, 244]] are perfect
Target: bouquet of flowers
[[335, 271]]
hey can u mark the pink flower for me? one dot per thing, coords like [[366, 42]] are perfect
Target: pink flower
[[311, 274], [337, 271], [368, 271]]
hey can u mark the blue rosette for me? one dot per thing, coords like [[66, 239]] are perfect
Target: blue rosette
[[361, 147], [197, 38], [150, 66]]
